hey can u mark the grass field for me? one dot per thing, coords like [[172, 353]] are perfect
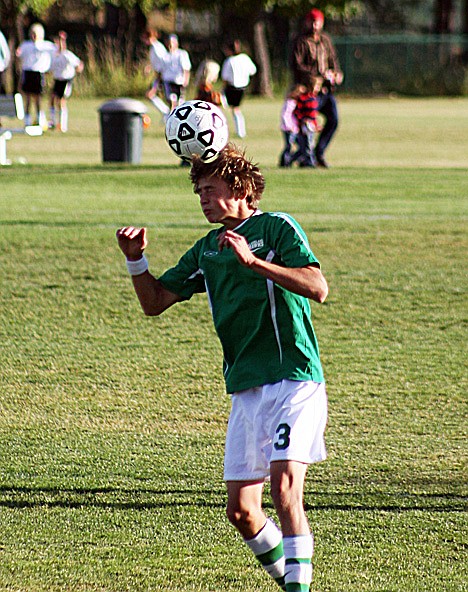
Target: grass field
[[112, 424], [377, 133]]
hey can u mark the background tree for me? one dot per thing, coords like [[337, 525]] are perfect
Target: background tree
[[248, 21], [443, 16], [124, 22]]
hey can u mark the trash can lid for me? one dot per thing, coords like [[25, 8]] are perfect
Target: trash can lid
[[123, 105]]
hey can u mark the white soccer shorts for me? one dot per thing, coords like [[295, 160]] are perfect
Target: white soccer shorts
[[281, 421]]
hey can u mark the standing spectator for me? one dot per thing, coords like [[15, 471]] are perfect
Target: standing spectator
[[314, 55], [65, 64], [306, 112], [206, 76], [157, 55], [175, 72], [36, 57], [236, 72], [4, 61]]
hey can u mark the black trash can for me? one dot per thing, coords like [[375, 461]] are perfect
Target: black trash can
[[122, 130]]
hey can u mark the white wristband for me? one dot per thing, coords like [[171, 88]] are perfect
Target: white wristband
[[137, 267]]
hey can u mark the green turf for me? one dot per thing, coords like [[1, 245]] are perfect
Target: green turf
[[112, 424]]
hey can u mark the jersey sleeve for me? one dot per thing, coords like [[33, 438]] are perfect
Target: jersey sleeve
[[186, 278], [74, 59], [49, 47], [290, 242], [185, 61], [226, 71]]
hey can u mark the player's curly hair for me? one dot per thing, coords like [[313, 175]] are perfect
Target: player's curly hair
[[231, 165]]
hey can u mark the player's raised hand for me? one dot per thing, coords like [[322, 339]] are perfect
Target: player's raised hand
[[231, 240], [132, 241]]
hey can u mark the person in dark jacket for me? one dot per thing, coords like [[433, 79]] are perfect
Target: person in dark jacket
[[313, 55]]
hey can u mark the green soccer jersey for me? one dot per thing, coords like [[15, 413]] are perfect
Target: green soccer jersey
[[265, 330]]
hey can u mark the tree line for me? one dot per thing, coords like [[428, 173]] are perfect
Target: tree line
[[264, 26]]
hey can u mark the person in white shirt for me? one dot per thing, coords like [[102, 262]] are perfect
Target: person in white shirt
[[175, 72], [157, 55], [65, 64], [4, 61], [36, 58], [236, 72]]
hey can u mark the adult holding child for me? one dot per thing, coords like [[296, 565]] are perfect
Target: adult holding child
[[314, 56]]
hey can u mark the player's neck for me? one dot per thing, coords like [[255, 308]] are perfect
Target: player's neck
[[234, 221]]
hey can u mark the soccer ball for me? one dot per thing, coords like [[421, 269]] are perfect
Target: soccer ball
[[197, 127]]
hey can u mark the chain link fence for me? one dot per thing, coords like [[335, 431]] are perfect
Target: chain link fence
[[424, 65]]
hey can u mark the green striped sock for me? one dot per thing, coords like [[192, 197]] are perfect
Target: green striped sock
[[267, 546], [297, 587], [298, 562]]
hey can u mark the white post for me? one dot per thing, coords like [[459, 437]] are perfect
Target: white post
[[4, 137]]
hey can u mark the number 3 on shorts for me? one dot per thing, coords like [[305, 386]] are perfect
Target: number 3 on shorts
[[282, 441]]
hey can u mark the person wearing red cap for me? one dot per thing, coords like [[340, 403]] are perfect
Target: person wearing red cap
[[313, 55]]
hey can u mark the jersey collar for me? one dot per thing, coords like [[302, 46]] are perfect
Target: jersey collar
[[255, 213]]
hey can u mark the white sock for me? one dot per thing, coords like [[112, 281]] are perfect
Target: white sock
[[52, 116], [64, 119], [43, 120], [160, 105], [298, 551], [239, 122], [267, 546]]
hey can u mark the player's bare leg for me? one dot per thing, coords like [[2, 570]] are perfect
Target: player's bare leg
[[52, 112], [41, 116], [244, 507], [63, 115], [244, 511], [287, 487], [239, 122], [27, 110]]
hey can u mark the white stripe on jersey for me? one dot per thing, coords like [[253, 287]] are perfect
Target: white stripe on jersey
[[290, 221], [195, 273], [271, 297]]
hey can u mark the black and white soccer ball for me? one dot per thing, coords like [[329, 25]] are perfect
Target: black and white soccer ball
[[197, 127]]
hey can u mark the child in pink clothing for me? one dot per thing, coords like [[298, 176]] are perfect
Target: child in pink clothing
[[289, 127]]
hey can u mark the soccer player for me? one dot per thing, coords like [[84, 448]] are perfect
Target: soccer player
[[36, 57], [5, 57], [236, 71], [157, 54], [259, 273], [65, 64], [175, 72]]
